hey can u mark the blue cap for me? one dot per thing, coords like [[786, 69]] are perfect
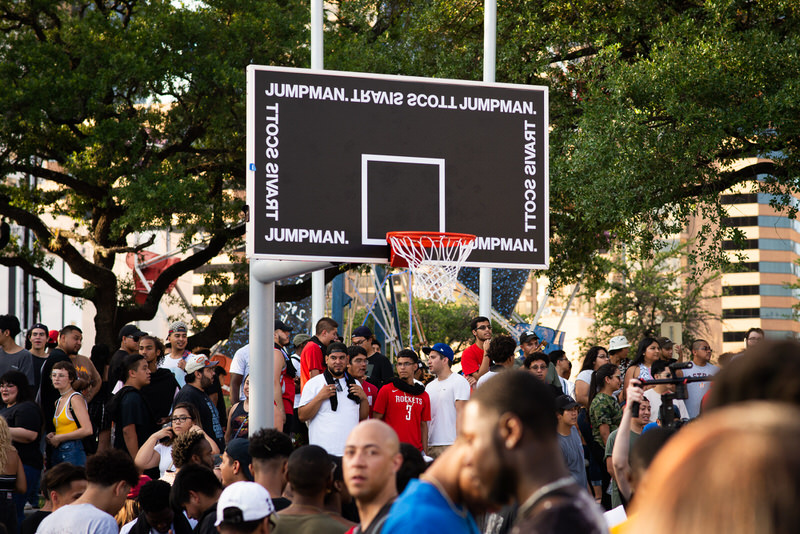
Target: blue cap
[[442, 348]]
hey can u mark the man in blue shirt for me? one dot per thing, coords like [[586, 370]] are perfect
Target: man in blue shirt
[[441, 500]]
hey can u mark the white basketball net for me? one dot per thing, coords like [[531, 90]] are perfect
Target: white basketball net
[[434, 261]]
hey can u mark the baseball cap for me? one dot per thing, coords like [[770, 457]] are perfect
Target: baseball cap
[[565, 402], [362, 331], [131, 330], [527, 336], [442, 348], [237, 449], [280, 325], [243, 501], [53, 337], [134, 492], [618, 342], [198, 361], [178, 326], [39, 326], [299, 339]]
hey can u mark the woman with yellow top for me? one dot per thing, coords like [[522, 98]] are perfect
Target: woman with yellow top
[[71, 418]]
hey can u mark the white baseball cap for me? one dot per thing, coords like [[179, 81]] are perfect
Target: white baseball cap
[[195, 362], [243, 501], [618, 342]]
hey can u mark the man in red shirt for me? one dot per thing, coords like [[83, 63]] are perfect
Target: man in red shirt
[[472, 359], [312, 361], [358, 370], [404, 405]]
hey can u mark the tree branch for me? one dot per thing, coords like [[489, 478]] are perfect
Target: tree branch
[[122, 250], [59, 245], [42, 274], [60, 178], [148, 310], [729, 179]]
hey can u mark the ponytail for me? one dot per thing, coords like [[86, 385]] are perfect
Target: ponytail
[[598, 381]]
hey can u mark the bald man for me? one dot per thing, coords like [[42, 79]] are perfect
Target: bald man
[[371, 461]]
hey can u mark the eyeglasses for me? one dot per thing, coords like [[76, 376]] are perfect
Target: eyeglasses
[[483, 327], [180, 419], [539, 367], [707, 349], [406, 364]]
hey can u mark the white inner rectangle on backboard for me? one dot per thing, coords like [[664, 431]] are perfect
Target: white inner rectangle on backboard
[[407, 225]]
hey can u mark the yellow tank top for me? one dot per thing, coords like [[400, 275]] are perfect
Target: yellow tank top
[[63, 422]]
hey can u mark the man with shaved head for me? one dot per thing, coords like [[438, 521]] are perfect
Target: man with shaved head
[[701, 366], [370, 463]]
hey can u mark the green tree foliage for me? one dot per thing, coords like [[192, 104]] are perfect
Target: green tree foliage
[[131, 117], [638, 294], [656, 106]]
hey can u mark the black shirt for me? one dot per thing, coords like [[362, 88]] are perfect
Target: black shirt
[[209, 417], [160, 392], [132, 410], [379, 370], [28, 416], [115, 366], [48, 395], [206, 523], [31, 523]]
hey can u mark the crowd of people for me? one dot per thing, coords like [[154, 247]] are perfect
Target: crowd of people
[[143, 440]]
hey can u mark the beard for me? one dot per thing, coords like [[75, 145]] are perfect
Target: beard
[[504, 487]]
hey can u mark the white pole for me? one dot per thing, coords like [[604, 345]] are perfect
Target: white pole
[[489, 67], [316, 35], [489, 40], [262, 325], [317, 298], [317, 277]]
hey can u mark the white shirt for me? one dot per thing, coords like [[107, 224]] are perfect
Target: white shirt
[[484, 378], [172, 364], [655, 404], [78, 519], [697, 390], [327, 428], [567, 387], [165, 462], [241, 366], [585, 376], [443, 395]]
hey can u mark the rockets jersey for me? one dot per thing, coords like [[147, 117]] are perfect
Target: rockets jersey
[[404, 412]]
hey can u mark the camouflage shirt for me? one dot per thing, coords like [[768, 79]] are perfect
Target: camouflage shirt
[[604, 410]]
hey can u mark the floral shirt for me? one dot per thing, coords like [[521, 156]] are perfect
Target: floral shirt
[[604, 410]]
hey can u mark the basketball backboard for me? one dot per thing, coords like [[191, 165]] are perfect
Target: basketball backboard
[[335, 160]]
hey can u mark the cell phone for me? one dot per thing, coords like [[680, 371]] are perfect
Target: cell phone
[[167, 438]]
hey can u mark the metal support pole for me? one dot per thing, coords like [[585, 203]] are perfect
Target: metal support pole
[[317, 297], [489, 68], [316, 34], [263, 275], [262, 325]]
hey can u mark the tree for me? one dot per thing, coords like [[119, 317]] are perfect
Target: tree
[[133, 114], [638, 294], [656, 107]]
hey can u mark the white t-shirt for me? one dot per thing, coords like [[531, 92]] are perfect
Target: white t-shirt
[[165, 462], [567, 387], [698, 389], [295, 359], [172, 364], [655, 404], [327, 428], [78, 519], [484, 378], [585, 376], [128, 526], [443, 395], [241, 366]]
